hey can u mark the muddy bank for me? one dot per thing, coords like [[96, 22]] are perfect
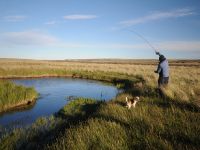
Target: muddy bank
[[22, 105]]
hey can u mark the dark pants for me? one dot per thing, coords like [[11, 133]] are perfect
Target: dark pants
[[162, 82]]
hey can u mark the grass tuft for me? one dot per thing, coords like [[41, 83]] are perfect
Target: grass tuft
[[12, 95]]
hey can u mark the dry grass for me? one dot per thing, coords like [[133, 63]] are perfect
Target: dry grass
[[89, 124], [184, 75]]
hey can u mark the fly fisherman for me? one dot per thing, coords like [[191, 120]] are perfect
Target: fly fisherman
[[163, 71], [163, 68]]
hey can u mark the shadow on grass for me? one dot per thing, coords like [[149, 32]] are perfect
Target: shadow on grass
[[48, 137], [136, 87], [85, 111], [120, 103], [167, 102], [183, 105]]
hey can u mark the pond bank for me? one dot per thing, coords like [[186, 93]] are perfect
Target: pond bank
[[117, 79], [19, 106], [54, 94]]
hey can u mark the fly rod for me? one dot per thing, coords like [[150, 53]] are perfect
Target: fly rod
[[142, 37]]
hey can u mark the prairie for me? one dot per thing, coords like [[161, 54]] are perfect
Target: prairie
[[184, 74], [155, 123]]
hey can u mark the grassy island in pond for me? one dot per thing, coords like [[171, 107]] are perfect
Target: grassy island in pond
[[12, 95]]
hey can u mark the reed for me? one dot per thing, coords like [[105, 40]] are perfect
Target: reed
[[12, 95]]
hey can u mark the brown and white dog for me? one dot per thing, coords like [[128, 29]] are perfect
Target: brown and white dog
[[131, 102]]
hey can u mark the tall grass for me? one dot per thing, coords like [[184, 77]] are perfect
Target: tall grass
[[12, 95], [90, 124], [184, 83], [149, 126], [155, 123]]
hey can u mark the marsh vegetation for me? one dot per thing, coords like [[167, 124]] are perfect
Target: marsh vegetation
[[155, 123], [12, 95]]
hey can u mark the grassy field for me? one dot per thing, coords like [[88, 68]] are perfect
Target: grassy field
[[184, 75], [12, 96], [155, 123], [90, 124]]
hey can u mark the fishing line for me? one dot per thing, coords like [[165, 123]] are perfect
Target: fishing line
[[142, 37]]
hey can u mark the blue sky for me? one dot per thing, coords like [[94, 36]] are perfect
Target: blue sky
[[71, 29]]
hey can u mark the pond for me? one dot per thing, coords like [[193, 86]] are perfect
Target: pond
[[54, 94]]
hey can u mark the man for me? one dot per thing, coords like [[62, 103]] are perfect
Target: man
[[163, 71]]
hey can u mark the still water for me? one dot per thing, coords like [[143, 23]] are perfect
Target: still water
[[54, 93]]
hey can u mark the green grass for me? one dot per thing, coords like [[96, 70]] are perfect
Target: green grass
[[91, 124], [155, 123], [12, 95]]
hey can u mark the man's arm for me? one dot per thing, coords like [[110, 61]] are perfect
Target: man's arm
[[158, 69]]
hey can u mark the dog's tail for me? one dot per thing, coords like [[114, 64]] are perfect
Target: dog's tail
[[137, 98]]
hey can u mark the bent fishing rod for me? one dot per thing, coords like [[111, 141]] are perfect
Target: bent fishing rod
[[142, 37]]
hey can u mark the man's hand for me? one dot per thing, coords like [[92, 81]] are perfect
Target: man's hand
[[157, 53]]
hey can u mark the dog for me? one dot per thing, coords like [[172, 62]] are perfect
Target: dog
[[131, 102]]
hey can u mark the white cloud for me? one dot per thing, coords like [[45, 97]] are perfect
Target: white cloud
[[15, 18], [27, 38], [158, 16], [79, 17], [179, 45], [36, 38]]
